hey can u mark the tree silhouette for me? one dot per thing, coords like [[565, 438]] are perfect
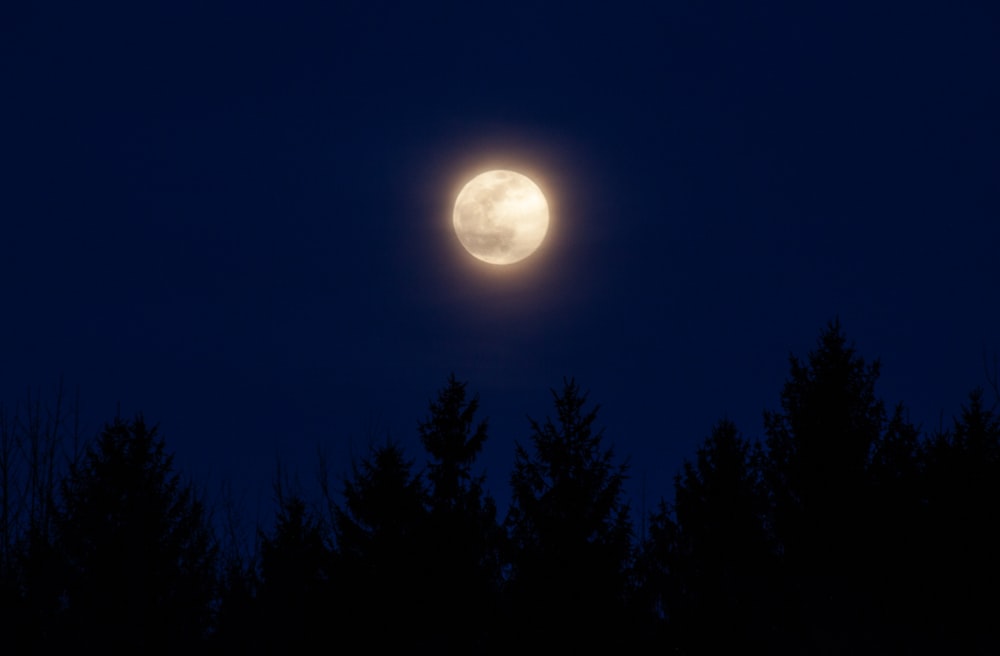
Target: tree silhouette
[[296, 580], [379, 532], [721, 560], [894, 525], [818, 451], [819, 444], [962, 543], [462, 537], [659, 587], [138, 554], [238, 622], [453, 439], [848, 530], [570, 529], [37, 440]]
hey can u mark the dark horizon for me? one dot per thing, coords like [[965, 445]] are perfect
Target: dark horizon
[[646, 482], [845, 523]]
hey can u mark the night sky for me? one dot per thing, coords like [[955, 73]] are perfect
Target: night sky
[[235, 217]]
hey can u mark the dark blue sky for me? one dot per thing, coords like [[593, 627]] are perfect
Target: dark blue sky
[[236, 217]]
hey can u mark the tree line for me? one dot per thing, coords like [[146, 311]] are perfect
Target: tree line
[[844, 529]]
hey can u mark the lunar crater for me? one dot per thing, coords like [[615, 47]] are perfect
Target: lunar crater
[[501, 217]]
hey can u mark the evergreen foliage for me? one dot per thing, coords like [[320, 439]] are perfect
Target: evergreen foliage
[[296, 579], [462, 537], [570, 528], [818, 453], [960, 531], [452, 440], [819, 444], [844, 530], [134, 545], [723, 558], [379, 532]]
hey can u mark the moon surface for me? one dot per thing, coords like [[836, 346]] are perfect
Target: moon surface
[[501, 216]]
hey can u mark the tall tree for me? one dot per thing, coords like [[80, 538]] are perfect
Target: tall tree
[[379, 531], [137, 549], [453, 439], [960, 563], [894, 523], [722, 559], [820, 441], [462, 536], [296, 580], [570, 528], [818, 452]]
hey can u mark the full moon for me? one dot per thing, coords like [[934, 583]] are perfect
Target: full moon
[[501, 217]]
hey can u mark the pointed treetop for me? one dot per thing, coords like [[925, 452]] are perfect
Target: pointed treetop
[[448, 433]]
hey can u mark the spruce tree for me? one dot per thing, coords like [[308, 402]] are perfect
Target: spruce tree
[[570, 529], [379, 530], [462, 536], [138, 553], [819, 448], [960, 542], [722, 560], [296, 580]]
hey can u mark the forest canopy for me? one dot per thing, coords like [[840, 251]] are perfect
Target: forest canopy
[[843, 529]]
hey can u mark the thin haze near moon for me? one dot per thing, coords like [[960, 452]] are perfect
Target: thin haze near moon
[[501, 216]]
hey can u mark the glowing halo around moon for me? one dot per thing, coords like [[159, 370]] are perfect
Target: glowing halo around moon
[[501, 216]]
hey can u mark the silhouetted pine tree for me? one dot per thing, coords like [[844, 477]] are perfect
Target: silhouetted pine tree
[[379, 538], [462, 538], [570, 529], [137, 551], [722, 560], [816, 471], [296, 581], [894, 523], [959, 568]]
